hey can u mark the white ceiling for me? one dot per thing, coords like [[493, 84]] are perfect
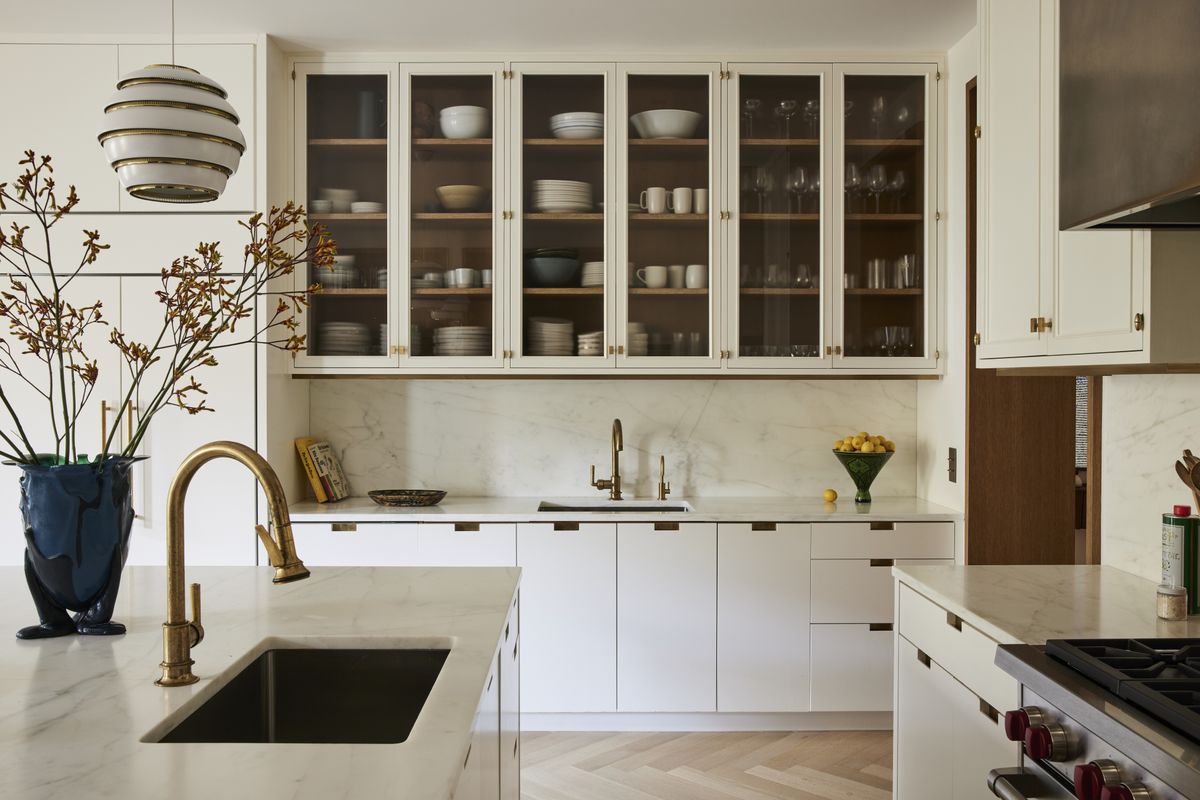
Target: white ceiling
[[558, 26]]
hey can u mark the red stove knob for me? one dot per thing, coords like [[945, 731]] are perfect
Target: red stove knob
[[1091, 778], [1017, 722], [1046, 742], [1126, 791]]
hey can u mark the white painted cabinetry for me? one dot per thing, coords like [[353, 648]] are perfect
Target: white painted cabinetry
[[762, 617], [376, 544], [466, 544], [666, 616]]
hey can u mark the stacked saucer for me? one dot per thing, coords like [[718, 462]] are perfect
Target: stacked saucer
[[591, 344], [562, 196], [343, 338], [383, 340], [593, 273], [425, 283], [340, 275], [578, 125], [550, 336], [462, 340], [639, 340]]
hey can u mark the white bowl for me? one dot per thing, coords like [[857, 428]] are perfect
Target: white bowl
[[465, 126], [463, 110], [578, 132], [340, 199], [666, 123], [460, 197], [320, 206]]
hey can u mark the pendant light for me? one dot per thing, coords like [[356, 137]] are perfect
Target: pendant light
[[171, 134]]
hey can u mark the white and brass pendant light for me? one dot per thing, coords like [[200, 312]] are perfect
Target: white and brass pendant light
[[171, 134]]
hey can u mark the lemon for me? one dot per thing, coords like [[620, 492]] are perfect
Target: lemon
[[829, 496], [890, 446], [868, 447], [857, 442], [837, 445], [864, 435]]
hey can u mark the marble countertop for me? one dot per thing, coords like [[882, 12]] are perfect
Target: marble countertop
[[712, 509], [1030, 604], [73, 710]]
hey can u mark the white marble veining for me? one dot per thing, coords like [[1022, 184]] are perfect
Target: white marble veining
[[73, 711], [705, 509], [1030, 604], [537, 437], [1148, 421]]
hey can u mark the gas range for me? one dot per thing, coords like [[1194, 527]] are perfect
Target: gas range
[[1104, 719]]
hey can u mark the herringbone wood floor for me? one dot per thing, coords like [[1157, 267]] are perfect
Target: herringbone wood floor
[[834, 765]]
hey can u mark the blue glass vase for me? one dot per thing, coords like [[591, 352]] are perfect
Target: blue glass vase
[[77, 520]]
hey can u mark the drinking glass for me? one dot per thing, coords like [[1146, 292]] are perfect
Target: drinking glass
[[854, 185], [804, 278], [878, 114], [812, 114], [906, 272], [898, 187], [814, 187], [764, 183], [877, 182], [750, 107], [796, 184], [891, 339], [877, 273], [785, 111], [902, 117]]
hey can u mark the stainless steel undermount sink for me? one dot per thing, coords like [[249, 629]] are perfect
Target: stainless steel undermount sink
[[318, 696], [659, 506]]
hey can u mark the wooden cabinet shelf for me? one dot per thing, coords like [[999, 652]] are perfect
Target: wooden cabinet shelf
[[885, 292], [348, 292], [780, 142], [348, 142], [451, 143], [564, 143], [636, 143], [452, 216], [552, 216], [669, 292], [474, 291], [667, 218], [565, 291], [884, 218], [781, 217], [379, 217], [781, 292]]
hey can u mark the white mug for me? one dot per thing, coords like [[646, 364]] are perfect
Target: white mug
[[700, 201], [696, 276], [653, 277], [681, 200], [675, 276], [654, 200], [464, 277]]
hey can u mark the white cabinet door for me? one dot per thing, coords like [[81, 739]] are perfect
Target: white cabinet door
[[762, 617], [220, 510], [924, 709], [1011, 171], [852, 667], [979, 744], [666, 616], [1098, 290], [54, 97], [467, 544], [857, 590], [232, 66], [375, 544], [568, 617]]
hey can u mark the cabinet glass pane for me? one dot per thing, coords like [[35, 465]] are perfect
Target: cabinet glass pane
[[451, 169], [884, 258], [347, 192], [779, 218], [668, 235], [562, 229]]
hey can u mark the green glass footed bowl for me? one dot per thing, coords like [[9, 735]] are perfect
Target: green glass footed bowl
[[863, 469]]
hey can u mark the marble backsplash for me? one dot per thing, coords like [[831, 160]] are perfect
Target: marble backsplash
[[537, 437], [1148, 421]]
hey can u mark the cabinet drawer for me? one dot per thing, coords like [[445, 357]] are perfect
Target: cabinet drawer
[[883, 540], [966, 653], [467, 544], [857, 590], [321, 544], [851, 667]]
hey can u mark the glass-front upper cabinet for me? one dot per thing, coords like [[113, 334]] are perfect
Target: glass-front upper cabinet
[[344, 172], [562, 234], [669, 262], [777, 125], [887, 189], [453, 125]]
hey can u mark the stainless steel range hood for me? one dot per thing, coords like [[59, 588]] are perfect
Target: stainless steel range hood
[[1129, 114]]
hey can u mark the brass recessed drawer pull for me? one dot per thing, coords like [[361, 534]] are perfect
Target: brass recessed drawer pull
[[762, 526], [953, 620], [566, 526], [344, 527], [923, 658], [879, 626], [883, 526], [467, 760], [988, 711], [883, 562], [666, 526], [466, 527]]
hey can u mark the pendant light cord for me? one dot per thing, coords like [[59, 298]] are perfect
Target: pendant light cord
[[172, 32]]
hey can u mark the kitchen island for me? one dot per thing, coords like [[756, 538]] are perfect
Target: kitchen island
[[76, 712]]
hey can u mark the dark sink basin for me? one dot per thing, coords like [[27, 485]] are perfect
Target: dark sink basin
[[318, 696]]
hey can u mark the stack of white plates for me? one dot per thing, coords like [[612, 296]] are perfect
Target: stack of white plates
[[562, 196], [639, 340], [415, 346], [340, 275], [462, 340], [383, 340], [591, 344], [593, 273], [578, 125], [344, 338], [421, 283], [550, 336], [366, 207]]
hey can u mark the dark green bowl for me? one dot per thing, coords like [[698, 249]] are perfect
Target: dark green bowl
[[863, 469]]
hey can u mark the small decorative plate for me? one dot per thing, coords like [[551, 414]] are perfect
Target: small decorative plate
[[407, 497]]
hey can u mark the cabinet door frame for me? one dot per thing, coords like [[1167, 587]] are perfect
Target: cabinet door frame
[[516, 202], [401, 275], [304, 69], [732, 203], [632, 364], [931, 255]]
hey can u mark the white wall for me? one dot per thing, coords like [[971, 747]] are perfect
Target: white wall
[[1148, 421], [941, 405], [537, 437]]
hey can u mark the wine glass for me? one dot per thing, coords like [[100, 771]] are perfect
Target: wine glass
[[854, 184], [902, 116], [750, 108], [796, 184], [898, 187], [812, 114], [877, 182], [814, 187], [785, 110], [878, 114], [764, 183]]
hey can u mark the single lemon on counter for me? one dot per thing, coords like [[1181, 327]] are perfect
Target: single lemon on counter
[[829, 496]]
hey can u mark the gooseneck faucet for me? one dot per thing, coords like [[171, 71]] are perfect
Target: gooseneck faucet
[[613, 484], [179, 634]]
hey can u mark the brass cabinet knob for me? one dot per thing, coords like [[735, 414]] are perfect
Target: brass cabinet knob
[[1139, 321], [828, 350], [837, 349], [977, 339], [620, 349]]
